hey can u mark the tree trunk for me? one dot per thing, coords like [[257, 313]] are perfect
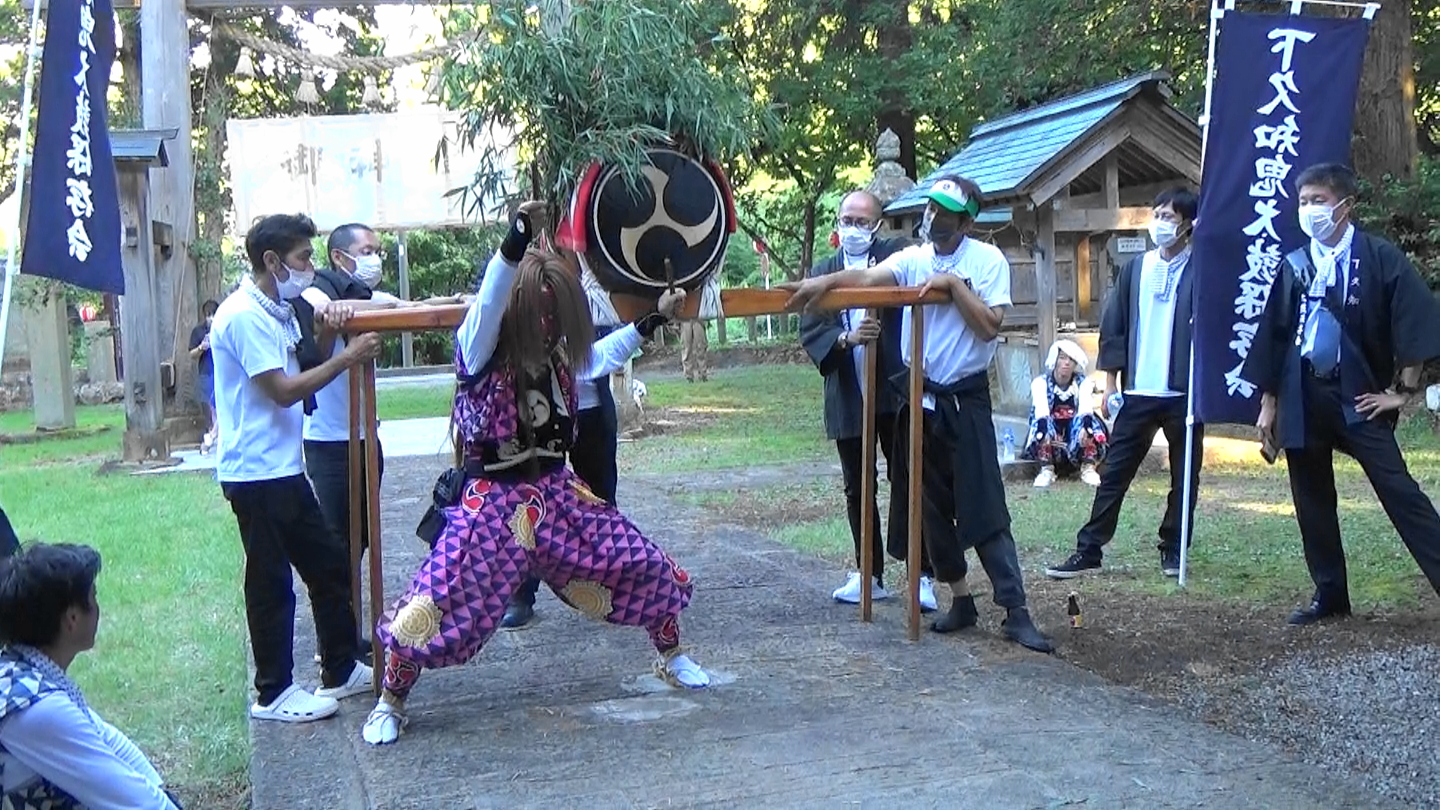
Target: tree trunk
[[807, 245], [895, 113], [1386, 142]]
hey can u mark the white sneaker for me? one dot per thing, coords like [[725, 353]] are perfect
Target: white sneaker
[[1045, 478], [361, 681], [384, 724], [295, 705], [681, 670], [849, 593], [1089, 475], [927, 594]]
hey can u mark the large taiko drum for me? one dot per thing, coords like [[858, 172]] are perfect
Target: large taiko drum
[[681, 210]]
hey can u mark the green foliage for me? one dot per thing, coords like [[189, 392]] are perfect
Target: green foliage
[[441, 263], [1408, 213], [1425, 25], [614, 78]]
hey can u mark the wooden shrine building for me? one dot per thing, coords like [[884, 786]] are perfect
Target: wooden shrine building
[[1067, 185]]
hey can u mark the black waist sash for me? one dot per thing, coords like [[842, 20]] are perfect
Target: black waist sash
[[962, 426]]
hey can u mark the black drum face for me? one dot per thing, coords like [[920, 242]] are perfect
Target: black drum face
[[677, 212]]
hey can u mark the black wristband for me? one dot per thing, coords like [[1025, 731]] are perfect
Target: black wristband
[[518, 239], [647, 324]]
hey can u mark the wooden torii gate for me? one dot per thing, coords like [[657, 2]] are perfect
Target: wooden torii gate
[[737, 303]]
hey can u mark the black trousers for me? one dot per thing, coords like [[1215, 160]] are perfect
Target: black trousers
[[281, 526], [852, 452], [1130, 440], [944, 550], [1312, 483], [593, 459], [328, 465]]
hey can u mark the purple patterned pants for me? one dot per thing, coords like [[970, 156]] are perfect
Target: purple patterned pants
[[500, 533]]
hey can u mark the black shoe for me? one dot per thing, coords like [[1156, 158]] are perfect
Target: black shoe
[[1018, 628], [1077, 564], [1170, 562], [517, 614], [1319, 609], [962, 614]]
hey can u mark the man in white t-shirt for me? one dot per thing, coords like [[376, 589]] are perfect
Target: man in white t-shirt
[[1145, 345], [964, 503], [258, 390]]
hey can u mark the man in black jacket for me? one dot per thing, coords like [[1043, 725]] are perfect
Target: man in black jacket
[[835, 342], [1346, 330], [1145, 335]]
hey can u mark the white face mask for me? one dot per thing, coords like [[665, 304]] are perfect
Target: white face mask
[[1164, 233], [1318, 221], [856, 240], [297, 283], [367, 270]]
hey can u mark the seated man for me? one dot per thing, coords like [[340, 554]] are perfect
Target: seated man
[[56, 752], [1065, 431]]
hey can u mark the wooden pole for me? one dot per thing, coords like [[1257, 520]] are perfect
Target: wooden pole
[[144, 399], [372, 506], [165, 103], [1084, 306], [868, 480], [357, 483], [407, 339], [916, 476], [1045, 273]]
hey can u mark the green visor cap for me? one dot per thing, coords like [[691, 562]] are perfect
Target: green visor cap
[[948, 195]]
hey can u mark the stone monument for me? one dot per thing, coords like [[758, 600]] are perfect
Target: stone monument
[[890, 180]]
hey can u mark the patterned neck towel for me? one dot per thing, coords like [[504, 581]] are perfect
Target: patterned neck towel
[[278, 310], [1168, 273], [51, 671], [1327, 260]]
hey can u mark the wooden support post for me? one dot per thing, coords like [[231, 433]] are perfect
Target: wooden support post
[[1112, 181], [1084, 306], [720, 330], [867, 479], [372, 511], [145, 437], [407, 339], [357, 502], [165, 104], [915, 471], [1045, 273]]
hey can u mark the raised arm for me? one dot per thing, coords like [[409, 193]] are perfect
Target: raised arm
[[480, 330], [609, 353]]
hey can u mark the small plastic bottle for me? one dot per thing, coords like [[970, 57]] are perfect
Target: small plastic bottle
[[1116, 401], [1072, 609], [1008, 456]]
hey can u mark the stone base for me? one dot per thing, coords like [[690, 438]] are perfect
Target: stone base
[[146, 447]]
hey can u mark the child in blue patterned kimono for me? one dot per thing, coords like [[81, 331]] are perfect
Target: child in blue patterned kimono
[[1066, 433]]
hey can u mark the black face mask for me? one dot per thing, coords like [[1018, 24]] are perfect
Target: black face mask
[[940, 233]]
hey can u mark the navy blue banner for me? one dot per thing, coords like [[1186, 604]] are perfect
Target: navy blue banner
[[1283, 100], [73, 230]]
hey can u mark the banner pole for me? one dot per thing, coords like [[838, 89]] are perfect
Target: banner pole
[[1216, 12], [12, 240], [1187, 504]]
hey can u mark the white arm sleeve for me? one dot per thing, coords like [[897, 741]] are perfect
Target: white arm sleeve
[[1040, 397], [480, 330], [609, 353], [1085, 400], [55, 739]]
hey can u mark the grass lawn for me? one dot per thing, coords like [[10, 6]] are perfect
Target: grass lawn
[[169, 665]]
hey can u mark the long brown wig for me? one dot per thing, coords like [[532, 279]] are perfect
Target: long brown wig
[[548, 313]]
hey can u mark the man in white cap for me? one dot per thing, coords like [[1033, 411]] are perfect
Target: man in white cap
[[964, 503]]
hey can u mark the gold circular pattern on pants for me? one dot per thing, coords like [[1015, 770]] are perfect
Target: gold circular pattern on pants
[[522, 525], [416, 624], [584, 493], [590, 598]]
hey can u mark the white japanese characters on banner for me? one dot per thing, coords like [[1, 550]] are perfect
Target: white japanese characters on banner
[[78, 157], [1283, 100], [381, 170]]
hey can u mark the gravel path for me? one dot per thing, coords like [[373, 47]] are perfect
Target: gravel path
[[1374, 713]]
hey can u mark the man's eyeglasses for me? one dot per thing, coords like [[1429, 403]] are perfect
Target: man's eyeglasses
[[857, 222]]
